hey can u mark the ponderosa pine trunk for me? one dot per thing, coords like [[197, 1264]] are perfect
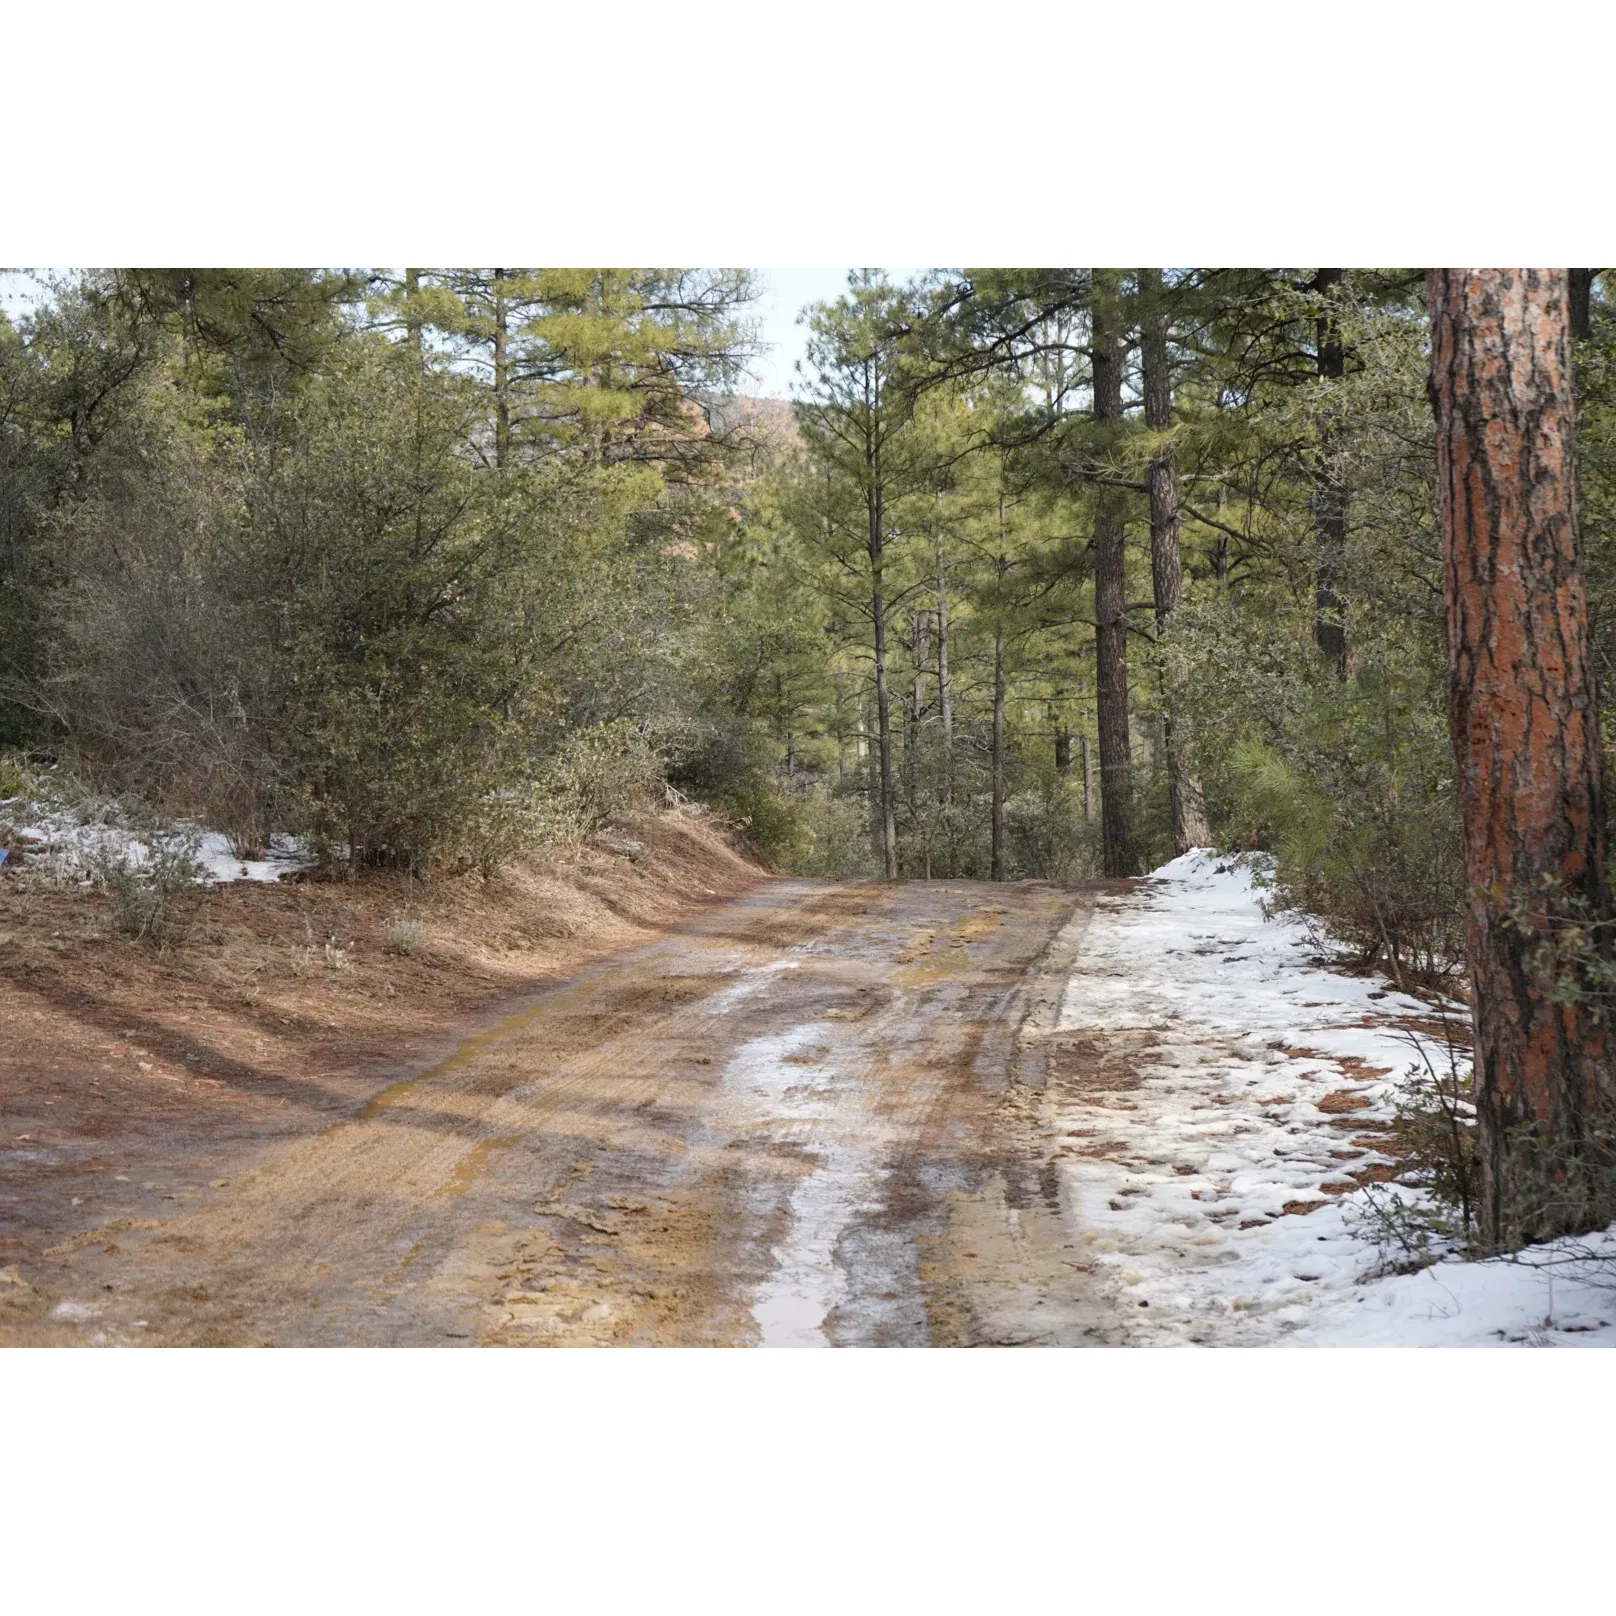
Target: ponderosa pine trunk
[[883, 705], [1119, 854], [1088, 782], [1329, 492], [1188, 812], [1526, 740], [945, 690], [1582, 303], [996, 827]]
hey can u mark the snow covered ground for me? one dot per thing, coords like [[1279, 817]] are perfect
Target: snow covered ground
[[1221, 1098], [68, 840]]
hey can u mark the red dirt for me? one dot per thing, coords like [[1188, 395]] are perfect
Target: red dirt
[[281, 1008]]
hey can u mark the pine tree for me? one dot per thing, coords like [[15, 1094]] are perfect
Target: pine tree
[[1110, 590], [857, 422], [1188, 812], [1526, 738]]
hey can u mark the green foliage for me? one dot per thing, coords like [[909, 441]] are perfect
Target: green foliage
[[782, 829], [429, 565], [841, 846], [599, 773], [1364, 828], [1048, 838], [258, 563], [149, 893]]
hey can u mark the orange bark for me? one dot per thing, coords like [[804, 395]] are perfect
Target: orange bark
[[1525, 720]]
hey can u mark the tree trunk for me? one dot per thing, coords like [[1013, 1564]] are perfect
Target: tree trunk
[[1063, 744], [1110, 603], [1526, 740], [917, 707], [412, 316], [1088, 782], [1166, 563], [997, 829], [1329, 492], [1582, 303], [502, 373], [945, 689], [883, 706]]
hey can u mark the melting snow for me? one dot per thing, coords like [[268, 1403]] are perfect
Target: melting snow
[[69, 843], [1213, 1074], [789, 1084]]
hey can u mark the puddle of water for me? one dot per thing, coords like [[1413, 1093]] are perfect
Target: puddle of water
[[750, 982], [801, 1096], [807, 1283]]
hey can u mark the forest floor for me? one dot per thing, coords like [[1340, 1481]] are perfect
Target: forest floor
[[654, 1097]]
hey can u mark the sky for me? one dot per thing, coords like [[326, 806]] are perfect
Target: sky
[[18, 291], [785, 293]]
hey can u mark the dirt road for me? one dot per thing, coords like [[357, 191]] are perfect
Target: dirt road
[[792, 1122]]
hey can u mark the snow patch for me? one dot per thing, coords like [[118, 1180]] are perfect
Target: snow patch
[[1208, 1075], [69, 842]]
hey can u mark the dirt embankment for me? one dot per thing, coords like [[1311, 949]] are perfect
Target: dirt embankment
[[134, 1074]]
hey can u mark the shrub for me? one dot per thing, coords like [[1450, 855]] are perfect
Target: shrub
[[605, 771], [148, 893], [779, 828], [1372, 851], [1047, 836], [838, 829], [404, 935]]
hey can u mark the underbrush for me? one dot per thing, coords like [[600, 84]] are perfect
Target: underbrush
[[1379, 867], [149, 894], [1047, 836], [1429, 1213], [1348, 783], [64, 823], [66, 834]]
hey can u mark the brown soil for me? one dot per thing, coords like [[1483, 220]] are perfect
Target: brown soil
[[782, 1117], [135, 1078], [1340, 1101]]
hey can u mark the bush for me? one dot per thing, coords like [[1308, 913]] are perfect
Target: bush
[[1047, 836], [404, 935], [148, 893], [779, 828], [603, 772], [1434, 1140], [838, 828], [1364, 837]]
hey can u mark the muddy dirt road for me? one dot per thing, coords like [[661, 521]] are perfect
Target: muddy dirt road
[[794, 1122]]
